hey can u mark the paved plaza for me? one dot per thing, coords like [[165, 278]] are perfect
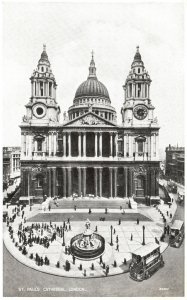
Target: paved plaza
[[129, 235]]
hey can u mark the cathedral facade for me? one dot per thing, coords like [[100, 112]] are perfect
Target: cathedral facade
[[89, 153]]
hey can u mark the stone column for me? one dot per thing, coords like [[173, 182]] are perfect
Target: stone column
[[22, 144], [130, 146], [111, 144], [100, 181], [69, 144], [52, 143], [69, 182], [124, 145], [126, 181], [95, 181], [54, 181], [111, 182], [49, 144], [54, 139], [84, 182], [157, 145], [115, 182], [95, 144], [30, 146], [116, 144], [84, 144], [64, 144], [79, 144], [79, 180], [100, 144], [49, 183], [64, 182]]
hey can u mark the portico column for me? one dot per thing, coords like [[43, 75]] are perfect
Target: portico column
[[111, 145], [49, 182], [69, 144], [100, 144], [64, 182], [116, 143], [54, 139], [69, 182], [95, 181], [79, 144], [84, 144], [124, 145], [126, 182], [49, 144], [115, 182], [22, 144], [64, 144], [84, 182], [111, 185], [100, 182], [54, 181], [79, 181], [95, 144]]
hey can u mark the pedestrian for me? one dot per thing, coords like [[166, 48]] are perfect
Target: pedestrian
[[89, 211], [114, 231], [117, 239], [95, 228], [101, 260], [75, 207], [69, 227], [167, 213], [73, 259], [117, 247], [68, 221], [119, 221], [138, 221], [170, 216], [49, 207], [106, 210], [107, 270], [168, 229], [131, 237]]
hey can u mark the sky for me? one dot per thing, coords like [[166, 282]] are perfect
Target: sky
[[112, 30]]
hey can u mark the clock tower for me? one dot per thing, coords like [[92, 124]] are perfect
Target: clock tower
[[141, 144]]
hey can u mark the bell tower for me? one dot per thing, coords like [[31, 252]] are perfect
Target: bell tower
[[137, 108], [42, 107]]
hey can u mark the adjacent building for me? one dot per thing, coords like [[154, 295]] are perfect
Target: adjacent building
[[88, 153], [11, 165], [175, 163]]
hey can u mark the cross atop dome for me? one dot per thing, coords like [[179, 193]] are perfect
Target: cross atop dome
[[92, 68]]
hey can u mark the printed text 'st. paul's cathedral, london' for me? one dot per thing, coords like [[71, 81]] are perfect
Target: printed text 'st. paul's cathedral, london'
[[88, 153]]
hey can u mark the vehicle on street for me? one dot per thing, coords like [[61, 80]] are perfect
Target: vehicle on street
[[176, 234], [145, 261]]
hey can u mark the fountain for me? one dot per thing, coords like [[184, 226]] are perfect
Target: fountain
[[87, 245]]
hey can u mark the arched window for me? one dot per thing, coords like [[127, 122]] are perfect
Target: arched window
[[140, 141]]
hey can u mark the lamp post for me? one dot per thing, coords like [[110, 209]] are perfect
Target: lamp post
[[111, 228], [143, 243], [63, 244]]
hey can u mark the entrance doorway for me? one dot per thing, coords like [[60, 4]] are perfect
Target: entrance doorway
[[90, 181], [140, 186]]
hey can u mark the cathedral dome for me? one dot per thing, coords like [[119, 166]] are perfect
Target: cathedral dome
[[92, 87]]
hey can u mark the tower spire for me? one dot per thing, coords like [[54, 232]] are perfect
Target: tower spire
[[92, 68]]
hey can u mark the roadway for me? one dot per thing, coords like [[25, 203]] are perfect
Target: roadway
[[20, 281]]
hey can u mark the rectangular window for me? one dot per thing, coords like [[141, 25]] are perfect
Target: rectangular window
[[139, 89], [140, 147], [50, 89], [40, 182], [39, 145], [130, 89], [41, 89]]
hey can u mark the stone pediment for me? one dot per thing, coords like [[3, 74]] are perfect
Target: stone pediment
[[89, 119]]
